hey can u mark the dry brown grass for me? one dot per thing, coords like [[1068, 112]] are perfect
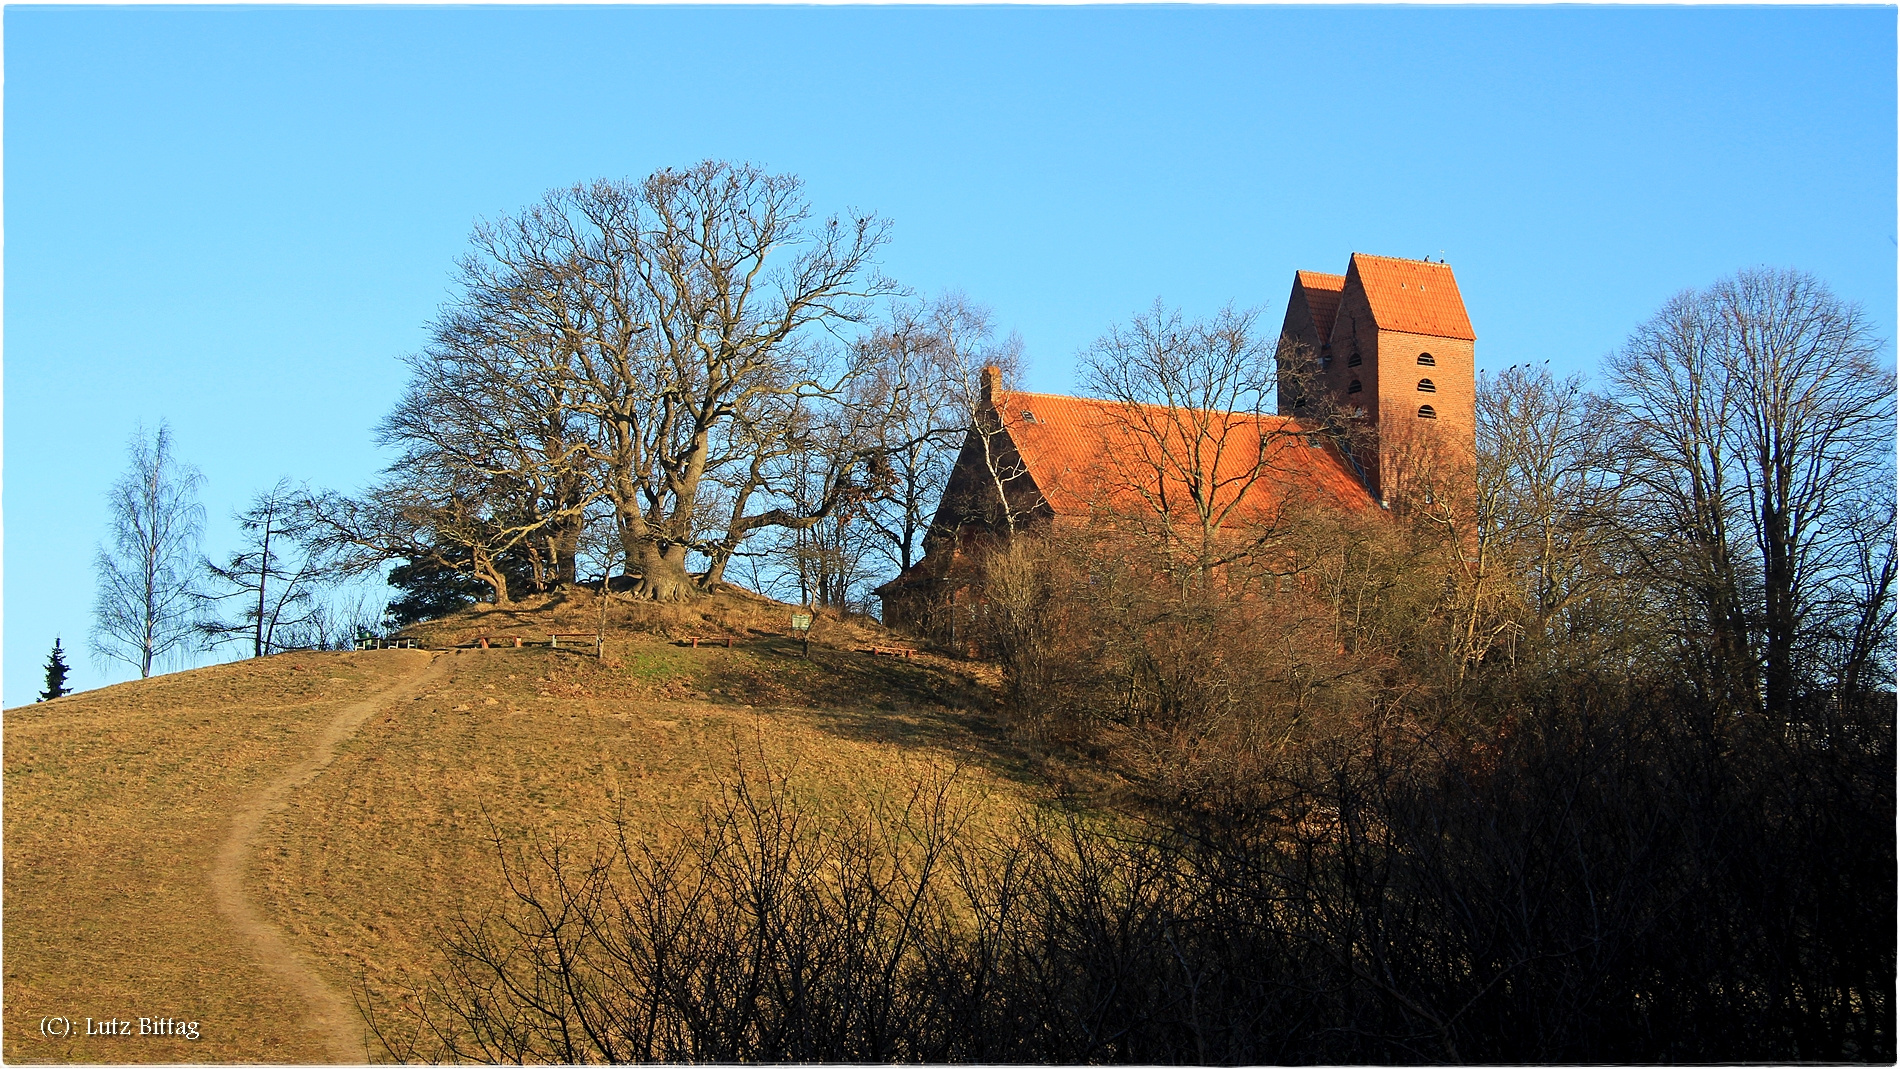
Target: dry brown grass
[[117, 799]]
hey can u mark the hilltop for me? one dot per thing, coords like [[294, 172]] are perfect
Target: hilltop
[[252, 845]]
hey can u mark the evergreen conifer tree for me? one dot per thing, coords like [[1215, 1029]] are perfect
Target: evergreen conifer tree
[[55, 674]]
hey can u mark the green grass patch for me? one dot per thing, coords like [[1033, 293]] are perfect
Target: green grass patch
[[659, 664]]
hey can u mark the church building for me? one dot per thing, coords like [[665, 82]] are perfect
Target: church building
[[1377, 377]]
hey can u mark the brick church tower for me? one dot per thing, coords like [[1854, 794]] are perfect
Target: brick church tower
[[1386, 353]]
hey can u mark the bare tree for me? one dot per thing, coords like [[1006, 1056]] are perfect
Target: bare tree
[[904, 378], [814, 462], [1857, 638], [918, 394], [1677, 410], [1196, 400], [925, 373], [677, 316], [143, 611], [273, 582], [1762, 426], [946, 369], [1543, 559], [827, 544], [493, 413]]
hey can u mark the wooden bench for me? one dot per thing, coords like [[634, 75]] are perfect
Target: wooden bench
[[483, 640], [387, 644], [893, 651], [555, 637], [696, 640]]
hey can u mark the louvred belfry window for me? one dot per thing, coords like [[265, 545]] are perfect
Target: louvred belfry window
[[1353, 387], [1425, 386], [1427, 412], [1425, 360]]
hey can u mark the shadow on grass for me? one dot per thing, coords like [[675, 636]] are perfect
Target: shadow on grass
[[921, 704]]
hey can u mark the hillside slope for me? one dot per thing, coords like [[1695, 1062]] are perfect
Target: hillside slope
[[119, 802]]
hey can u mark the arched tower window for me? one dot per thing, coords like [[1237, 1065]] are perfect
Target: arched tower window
[[1427, 412], [1425, 360], [1353, 387], [1425, 386], [1353, 359]]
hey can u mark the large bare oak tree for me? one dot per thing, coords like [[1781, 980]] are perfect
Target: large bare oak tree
[[654, 346]]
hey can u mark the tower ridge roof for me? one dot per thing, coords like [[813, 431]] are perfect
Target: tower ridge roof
[[1322, 293], [1412, 296]]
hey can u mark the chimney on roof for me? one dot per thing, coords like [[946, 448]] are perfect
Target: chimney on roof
[[992, 383]]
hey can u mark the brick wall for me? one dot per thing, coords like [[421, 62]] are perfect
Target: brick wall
[[1453, 373], [1354, 331], [1297, 332]]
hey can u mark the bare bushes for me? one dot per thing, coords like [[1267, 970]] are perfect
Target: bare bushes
[[1202, 679], [1411, 855], [763, 934], [1020, 610], [896, 933]]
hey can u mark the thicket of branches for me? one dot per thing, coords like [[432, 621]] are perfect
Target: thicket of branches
[[1582, 753]]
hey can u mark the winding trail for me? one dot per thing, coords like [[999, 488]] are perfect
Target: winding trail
[[328, 1013]]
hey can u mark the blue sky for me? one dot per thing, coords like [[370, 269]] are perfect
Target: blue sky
[[238, 219]]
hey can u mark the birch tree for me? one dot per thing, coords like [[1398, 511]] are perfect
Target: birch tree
[[147, 571]]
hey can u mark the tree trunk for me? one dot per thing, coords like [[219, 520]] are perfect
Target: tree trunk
[[663, 574], [486, 570], [716, 569], [263, 580], [566, 549]]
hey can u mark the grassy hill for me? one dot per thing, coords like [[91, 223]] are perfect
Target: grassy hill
[[250, 846]]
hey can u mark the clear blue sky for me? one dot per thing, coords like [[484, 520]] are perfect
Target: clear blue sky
[[237, 219]]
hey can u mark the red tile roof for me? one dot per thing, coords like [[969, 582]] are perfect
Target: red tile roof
[[1322, 298], [1085, 453], [1412, 296]]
